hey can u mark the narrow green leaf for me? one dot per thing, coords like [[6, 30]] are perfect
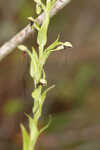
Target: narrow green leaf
[[46, 126], [26, 138], [34, 66], [45, 93], [36, 93]]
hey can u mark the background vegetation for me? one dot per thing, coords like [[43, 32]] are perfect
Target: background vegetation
[[74, 103]]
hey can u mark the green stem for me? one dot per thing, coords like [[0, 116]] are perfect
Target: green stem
[[33, 142]]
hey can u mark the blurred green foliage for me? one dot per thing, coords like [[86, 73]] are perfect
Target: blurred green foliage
[[12, 107]]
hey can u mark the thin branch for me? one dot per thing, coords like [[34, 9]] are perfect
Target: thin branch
[[9, 46]]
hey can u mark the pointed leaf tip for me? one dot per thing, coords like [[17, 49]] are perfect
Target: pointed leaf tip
[[26, 139], [47, 125], [68, 44]]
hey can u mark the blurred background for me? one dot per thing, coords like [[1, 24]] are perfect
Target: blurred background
[[75, 101]]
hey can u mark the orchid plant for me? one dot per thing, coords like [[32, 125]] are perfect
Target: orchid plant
[[38, 59]]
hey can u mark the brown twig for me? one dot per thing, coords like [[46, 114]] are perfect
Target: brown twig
[[9, 46]]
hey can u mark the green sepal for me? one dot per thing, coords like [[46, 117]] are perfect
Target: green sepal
[[24, 49], [36, 95], [54, 44], [62, 46], [67, 44], [34, 66]]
